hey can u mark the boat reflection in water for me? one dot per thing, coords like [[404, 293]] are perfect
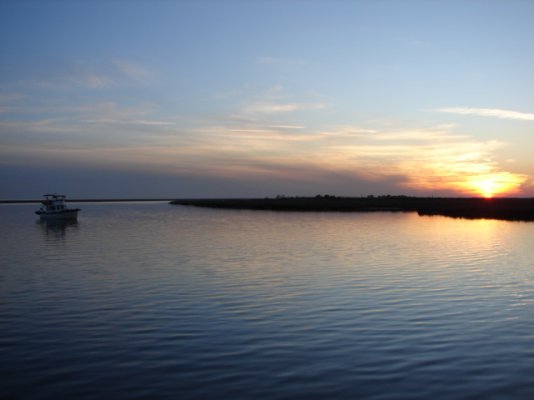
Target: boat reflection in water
[[57, 228]]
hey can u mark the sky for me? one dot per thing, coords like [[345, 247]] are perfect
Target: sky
[[184, 99]]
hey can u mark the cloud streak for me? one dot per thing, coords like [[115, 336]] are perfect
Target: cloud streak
[[134, 72], [489, 112], [279, 108], [111, 74]]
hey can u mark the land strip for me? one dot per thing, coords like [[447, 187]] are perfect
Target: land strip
[[517, 209]]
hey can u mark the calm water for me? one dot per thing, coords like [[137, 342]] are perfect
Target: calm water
[[154, 301]]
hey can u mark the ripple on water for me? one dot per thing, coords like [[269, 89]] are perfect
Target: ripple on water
[[154, 301]]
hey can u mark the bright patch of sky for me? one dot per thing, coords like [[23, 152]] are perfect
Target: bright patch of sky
[[236, 98]]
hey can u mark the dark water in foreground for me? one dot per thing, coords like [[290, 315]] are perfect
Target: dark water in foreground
[[157, 301]]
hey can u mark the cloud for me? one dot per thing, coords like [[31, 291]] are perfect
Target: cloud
[[287, 126], [434, 160], [152, 122], [271, 144], [279, 108], [528, 187], [348, 131], [88, 79], [429, 160], [489, 112], [134, 72], [73, 77], [91, 126], [100, 75]]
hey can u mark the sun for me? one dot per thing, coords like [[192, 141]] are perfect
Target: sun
[[487, 188], [495, 184]]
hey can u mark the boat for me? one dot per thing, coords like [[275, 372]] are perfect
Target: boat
[[54, 208]]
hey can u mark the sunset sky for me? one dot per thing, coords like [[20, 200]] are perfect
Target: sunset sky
[[259, 98]]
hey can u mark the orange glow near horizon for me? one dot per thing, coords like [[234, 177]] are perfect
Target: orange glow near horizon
[[496, 184], [487, 187]]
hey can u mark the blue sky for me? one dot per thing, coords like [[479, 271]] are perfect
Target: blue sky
[[258, 98]]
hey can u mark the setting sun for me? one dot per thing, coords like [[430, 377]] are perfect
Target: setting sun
[[487, 188], [491, 185]]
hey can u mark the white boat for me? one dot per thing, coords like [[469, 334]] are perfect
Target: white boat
[[54, 208]]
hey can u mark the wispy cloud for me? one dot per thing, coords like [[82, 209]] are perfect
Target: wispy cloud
[[489, 112], [431, 160], [279, 108], [112, 113], [88, 79], [74, 77], [84, 126], [287, 127], [98, 75], [134, 72], [271, 144]]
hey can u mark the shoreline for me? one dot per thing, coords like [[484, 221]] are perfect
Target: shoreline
[[512, 209], [501, 208], [87, 201]]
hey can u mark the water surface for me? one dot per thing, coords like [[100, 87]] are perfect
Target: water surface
[[149, 300]]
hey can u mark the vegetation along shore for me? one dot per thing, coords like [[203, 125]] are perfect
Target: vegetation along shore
[[516, 209]]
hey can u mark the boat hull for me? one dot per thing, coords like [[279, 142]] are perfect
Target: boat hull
[[58, 215]]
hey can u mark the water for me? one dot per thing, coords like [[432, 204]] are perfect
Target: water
[[150, 300]]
